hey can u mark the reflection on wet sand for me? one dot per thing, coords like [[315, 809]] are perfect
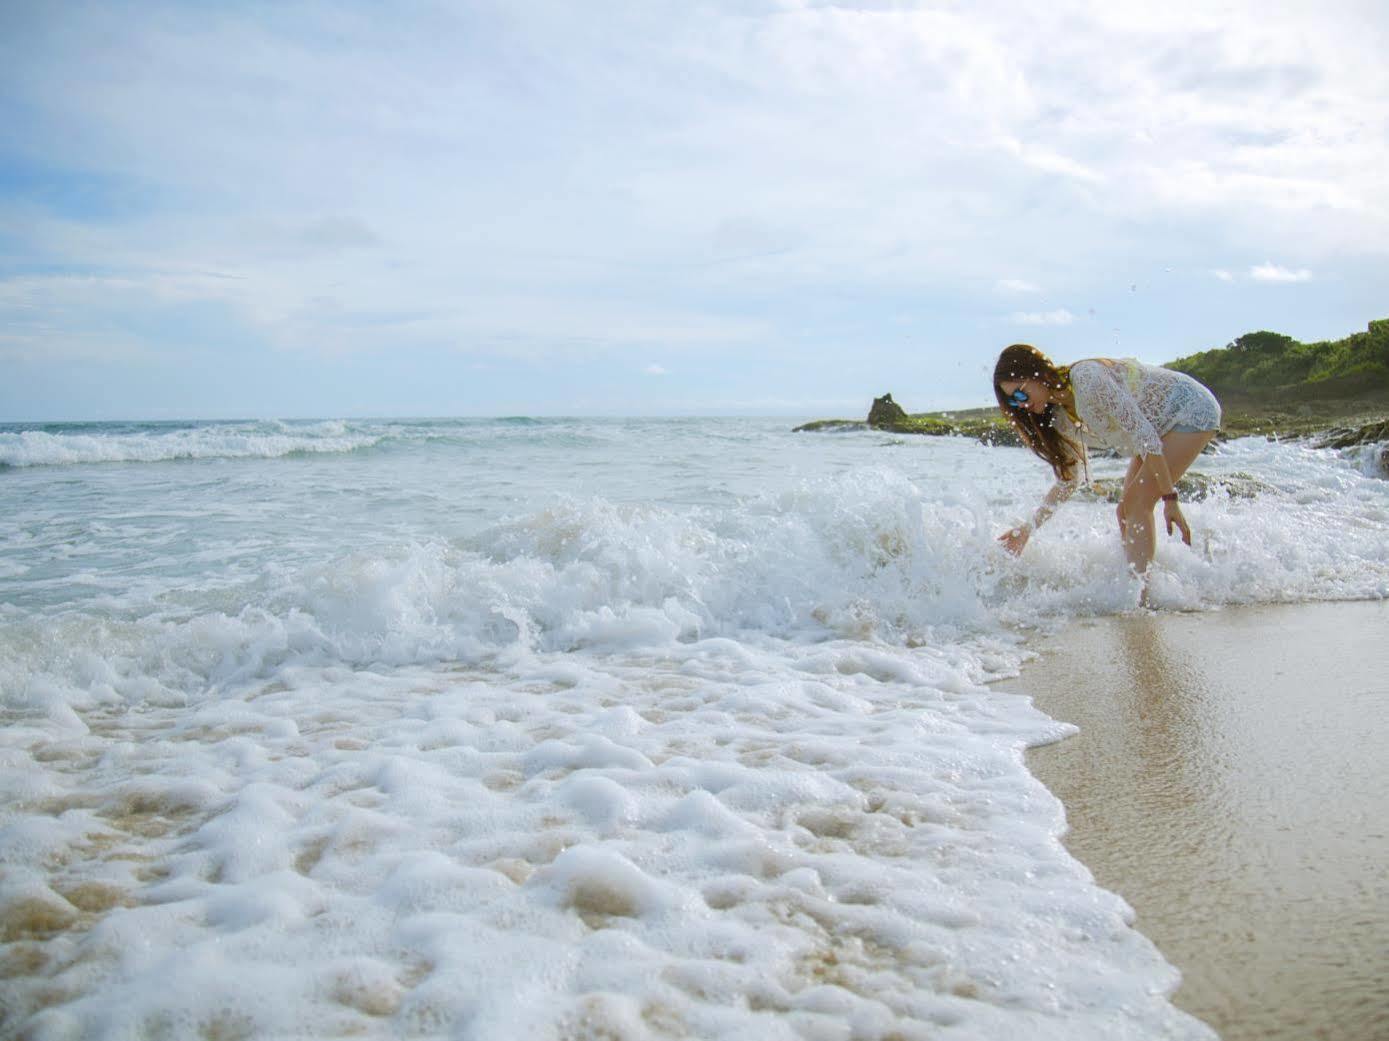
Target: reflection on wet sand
[[1230, 782]]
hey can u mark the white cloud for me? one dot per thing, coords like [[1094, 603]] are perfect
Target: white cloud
[[785, 111], [1043, 158], [1058, 317], [1222, 274], [1267, 272], [553, 178], [654, 370]]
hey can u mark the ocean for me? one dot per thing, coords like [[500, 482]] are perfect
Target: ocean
[[577, 728]]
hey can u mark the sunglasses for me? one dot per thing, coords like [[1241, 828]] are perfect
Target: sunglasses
[[1018, 398]]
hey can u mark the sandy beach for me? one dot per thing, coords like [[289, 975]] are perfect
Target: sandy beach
[[1230, 781]]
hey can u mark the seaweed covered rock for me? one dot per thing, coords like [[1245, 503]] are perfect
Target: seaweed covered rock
[[886, 412], [831, 425], [982, 424]]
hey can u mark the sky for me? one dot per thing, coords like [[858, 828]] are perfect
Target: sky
[[651, 207]]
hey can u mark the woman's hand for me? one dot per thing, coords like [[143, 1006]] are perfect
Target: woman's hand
[[1172, 514], [1015, 539]]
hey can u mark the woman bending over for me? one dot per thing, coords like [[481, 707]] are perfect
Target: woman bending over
[[1161, 418]]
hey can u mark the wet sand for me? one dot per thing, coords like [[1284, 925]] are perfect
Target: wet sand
[[1231, 782]]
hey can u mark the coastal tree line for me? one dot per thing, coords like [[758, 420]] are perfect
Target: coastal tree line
[[1262, 363]]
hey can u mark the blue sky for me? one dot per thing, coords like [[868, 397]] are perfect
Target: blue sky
[[541, 207]]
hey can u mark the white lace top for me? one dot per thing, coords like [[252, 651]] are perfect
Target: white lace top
[[1126, 405], [1129, 406]]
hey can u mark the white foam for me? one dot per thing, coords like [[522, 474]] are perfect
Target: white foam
[[638, 768]]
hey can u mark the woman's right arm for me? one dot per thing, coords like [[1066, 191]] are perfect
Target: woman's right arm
[[1016, 538]]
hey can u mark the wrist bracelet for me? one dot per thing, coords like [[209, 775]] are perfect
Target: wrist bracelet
[[1170, 496]]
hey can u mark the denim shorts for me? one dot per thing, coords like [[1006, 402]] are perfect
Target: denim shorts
[[1200, 412]]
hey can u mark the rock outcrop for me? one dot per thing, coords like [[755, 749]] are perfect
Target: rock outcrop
[[1348, 437], [886, 412], [983, 424], [1192, 487]]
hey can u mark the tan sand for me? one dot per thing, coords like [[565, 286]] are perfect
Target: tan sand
[[1231, 781]]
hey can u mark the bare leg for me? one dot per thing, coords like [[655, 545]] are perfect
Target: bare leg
[[1134, 464], [1140, 540], [1136, 524]]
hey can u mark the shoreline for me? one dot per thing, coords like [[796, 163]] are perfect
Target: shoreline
[[1333, 426], [1229, 781]]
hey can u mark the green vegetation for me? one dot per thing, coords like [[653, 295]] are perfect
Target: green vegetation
[[1269, 383], [1266, 364]]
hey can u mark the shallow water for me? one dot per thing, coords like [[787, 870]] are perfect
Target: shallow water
[[1229, 781], [308, 722]]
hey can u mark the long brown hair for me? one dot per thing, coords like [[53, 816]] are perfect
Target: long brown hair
[[1022, 361]]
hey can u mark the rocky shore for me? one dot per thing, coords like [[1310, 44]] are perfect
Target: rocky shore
[[984, 424], [1343, 423]]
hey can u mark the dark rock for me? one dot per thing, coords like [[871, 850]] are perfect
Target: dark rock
[[886, 412], [1192, 487], [1347, 437]]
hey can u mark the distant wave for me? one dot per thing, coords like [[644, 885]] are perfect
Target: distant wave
[[263, 441], [69, 444]]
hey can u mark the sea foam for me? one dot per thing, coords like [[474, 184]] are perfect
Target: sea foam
[[400, 743]]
